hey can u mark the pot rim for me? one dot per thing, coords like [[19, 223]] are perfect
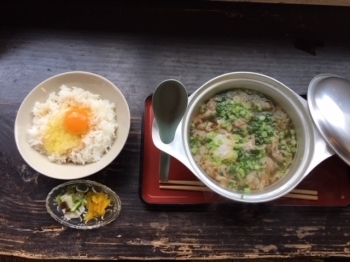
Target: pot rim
[[300, 112]]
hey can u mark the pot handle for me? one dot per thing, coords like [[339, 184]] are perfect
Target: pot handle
[[175, 148], [321, 151]]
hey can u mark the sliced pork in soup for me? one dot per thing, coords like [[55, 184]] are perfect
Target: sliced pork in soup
[[243, 140]]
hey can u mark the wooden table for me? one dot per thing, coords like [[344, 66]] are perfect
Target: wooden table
[[136, 45]]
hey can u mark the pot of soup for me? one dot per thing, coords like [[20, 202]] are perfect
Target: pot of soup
[[250, 138]]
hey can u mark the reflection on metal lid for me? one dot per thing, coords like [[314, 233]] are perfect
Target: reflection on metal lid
[[329, 104]]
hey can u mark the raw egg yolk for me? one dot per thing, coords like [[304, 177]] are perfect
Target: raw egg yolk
[[76, 121]]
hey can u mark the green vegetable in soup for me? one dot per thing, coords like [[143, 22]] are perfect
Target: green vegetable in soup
[[243, 140]]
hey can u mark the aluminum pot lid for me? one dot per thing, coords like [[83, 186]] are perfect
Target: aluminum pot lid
[[329, 103]]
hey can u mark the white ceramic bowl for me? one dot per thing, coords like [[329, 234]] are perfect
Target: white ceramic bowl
[[89, 82]]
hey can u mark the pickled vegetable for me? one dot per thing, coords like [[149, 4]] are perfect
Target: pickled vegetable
[[83, 202], [96, 204]]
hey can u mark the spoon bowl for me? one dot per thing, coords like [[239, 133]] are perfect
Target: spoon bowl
[[169, 104]]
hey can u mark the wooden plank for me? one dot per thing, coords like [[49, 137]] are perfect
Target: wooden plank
[[299, 2]]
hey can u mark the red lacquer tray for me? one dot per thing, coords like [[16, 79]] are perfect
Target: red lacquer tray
[[330, 178]]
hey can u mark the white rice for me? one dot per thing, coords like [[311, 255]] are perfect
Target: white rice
[[102, 125]]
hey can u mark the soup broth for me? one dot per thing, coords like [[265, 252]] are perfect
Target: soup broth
[[243, 140]]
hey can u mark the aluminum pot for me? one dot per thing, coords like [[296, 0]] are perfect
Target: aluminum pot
[[312, 148]]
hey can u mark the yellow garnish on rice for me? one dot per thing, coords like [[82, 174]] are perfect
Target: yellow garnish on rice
[[96, 204]]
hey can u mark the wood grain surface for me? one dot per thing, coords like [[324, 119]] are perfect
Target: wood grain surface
[[302, 2], [136, 45]]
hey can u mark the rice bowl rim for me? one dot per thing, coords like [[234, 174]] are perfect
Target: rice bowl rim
[[91, 82]]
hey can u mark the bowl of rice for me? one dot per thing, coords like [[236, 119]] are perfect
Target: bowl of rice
[[72, 125]]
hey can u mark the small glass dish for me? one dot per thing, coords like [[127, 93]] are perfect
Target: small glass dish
[[82, 187]]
